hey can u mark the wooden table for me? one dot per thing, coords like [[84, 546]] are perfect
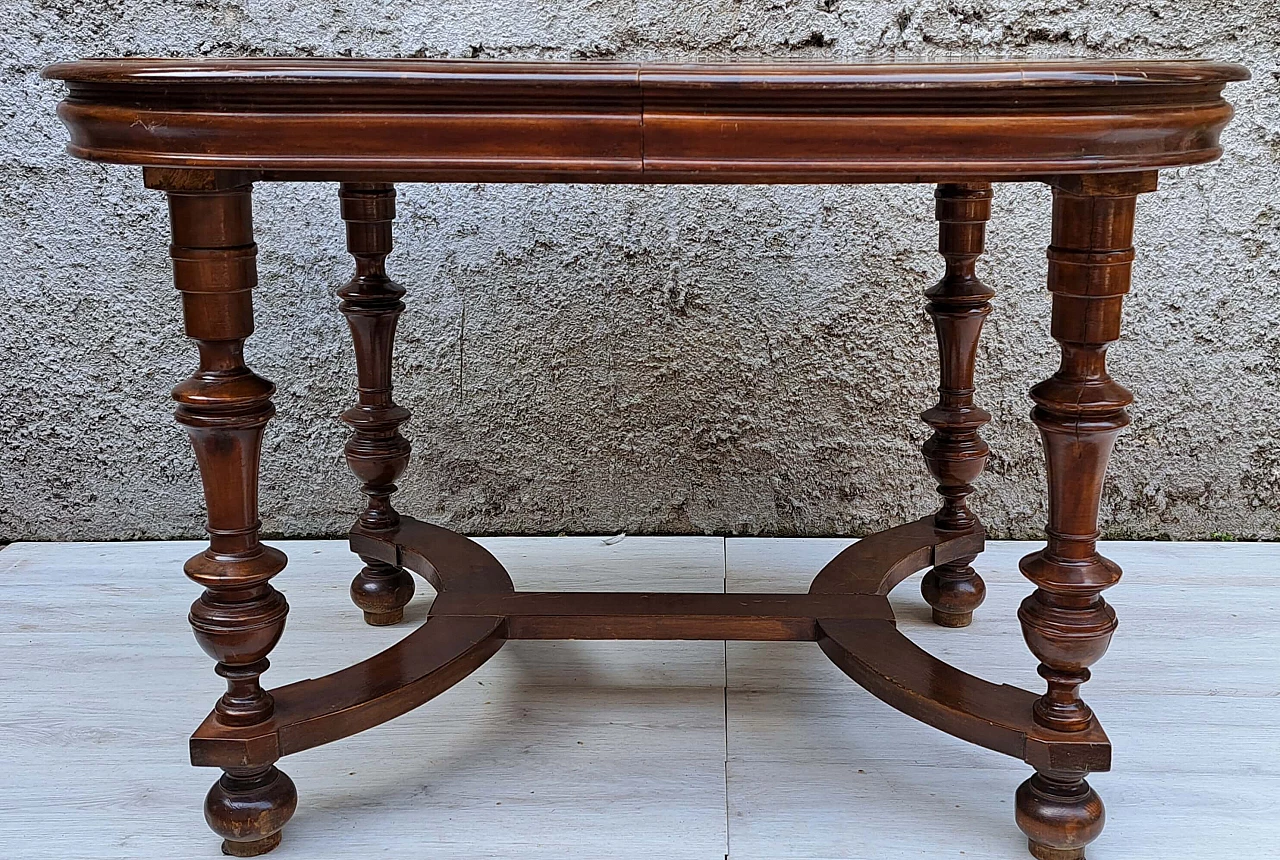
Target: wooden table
[[1096, 132]]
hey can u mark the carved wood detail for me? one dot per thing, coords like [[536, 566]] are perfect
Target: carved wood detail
[[466, 121], [249, 807], [376, 453], [1095, 130], [1080, 410], [225, 407], [956, 454]]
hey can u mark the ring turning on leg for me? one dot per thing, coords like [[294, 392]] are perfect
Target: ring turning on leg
[[1080, 410], [377, 453], [955, 452], [225, 407]]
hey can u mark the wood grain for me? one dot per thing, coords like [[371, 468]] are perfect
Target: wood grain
[[955, 453], [377, 452], [434, 120], [1096, 131]]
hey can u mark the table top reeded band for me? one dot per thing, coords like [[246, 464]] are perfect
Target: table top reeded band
[[447, 120]]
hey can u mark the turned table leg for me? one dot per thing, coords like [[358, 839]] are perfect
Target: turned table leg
[[955, 452], [1080, 410], [225, 407], [377, 453]]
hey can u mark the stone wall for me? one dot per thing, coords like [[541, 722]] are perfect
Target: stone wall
[[597, 359]]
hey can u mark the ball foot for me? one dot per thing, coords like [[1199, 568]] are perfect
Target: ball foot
[[954, 590], [382, 591], [249, 808], [1060, 814]]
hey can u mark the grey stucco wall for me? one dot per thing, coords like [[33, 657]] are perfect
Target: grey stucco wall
[[579, 358]]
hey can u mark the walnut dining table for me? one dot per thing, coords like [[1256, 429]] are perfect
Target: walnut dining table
[[1097, 132]]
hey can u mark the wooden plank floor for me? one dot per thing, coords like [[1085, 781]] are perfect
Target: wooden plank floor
[[650, 750]]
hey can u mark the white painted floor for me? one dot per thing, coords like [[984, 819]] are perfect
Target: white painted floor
[[644, 750]]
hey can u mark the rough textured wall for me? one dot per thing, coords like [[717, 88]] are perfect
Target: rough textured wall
[[698, 359]]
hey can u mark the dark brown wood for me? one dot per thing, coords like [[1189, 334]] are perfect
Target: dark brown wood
[[419, 667], [668, 615], [225, 407], [377, 453], [1080, 410], [955, 452], [477, 610], [318, 711], [996, 716], [249, 807], [458, 121], [1095, 130], [447, 560], [879, 562]]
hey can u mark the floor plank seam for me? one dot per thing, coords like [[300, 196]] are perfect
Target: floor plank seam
[[724, 546], [643, 785]]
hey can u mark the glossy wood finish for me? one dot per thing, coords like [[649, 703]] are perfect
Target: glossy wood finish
[[225, 407], [878, 563], [896, 671], [425, 120], [1080, 410], [665, 615], [377, 453], [478, 609], [956, 454], [1095, 131]]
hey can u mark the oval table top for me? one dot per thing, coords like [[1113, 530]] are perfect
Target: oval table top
[[452, 120]]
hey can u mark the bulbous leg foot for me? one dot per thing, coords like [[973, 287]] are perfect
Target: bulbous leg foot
[[954, 590], [249, 809], [1060, 813], [382, 591]]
